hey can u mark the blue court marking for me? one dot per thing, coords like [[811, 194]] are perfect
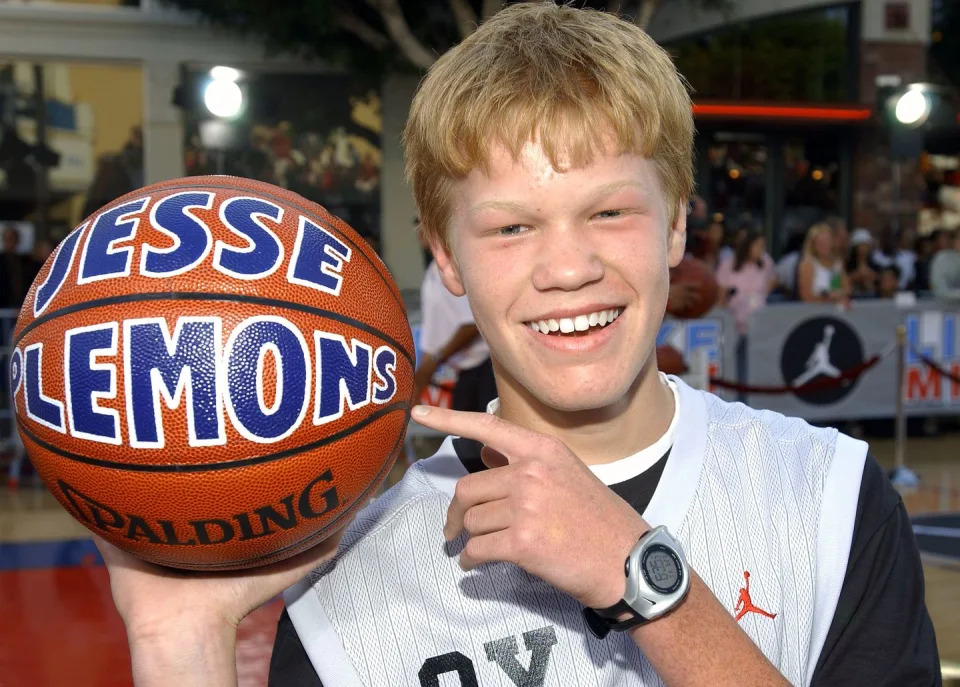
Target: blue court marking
[[49, 554]]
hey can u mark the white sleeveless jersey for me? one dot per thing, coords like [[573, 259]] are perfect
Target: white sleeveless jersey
[[745, 491]]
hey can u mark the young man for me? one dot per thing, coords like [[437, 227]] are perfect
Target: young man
[[550, 155]]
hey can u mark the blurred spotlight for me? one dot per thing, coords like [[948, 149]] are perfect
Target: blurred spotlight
[[222, 95], [817, 174], [224, 74], [734, 173], [912, 107]]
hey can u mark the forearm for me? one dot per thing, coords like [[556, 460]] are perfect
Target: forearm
[[699, 643], [465, 335], [189, 659]]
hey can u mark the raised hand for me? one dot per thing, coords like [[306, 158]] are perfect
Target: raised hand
[[539, 507]]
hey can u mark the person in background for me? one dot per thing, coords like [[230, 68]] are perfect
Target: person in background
[[745, 282], [888, 283], [861, 270], [924, 247], [707, 248], [841, 236], [729, 248], [746, 279], [897, 249], [820, 276], [448, 334], [15, 272], [945, 272], [786, 268]]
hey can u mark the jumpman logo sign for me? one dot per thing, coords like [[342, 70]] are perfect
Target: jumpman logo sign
[[819, 361], [820, 349], [745, 603]]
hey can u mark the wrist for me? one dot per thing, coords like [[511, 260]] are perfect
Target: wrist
[[612, 590], [203, 655]]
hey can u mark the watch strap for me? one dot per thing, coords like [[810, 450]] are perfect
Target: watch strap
[[603, 621]]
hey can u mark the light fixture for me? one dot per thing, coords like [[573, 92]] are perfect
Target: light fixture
[[912, 107], [221, 73]]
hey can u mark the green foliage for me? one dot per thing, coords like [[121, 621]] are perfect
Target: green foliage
[[320, 29], [792, 58]]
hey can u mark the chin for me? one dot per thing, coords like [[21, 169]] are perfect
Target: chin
[[570, 396]]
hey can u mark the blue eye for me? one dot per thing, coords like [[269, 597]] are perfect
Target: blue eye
[[512, 230], [610, 213]]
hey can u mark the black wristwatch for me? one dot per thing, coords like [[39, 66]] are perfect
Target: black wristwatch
[[657, 581]]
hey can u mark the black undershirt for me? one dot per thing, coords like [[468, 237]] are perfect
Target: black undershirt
[[881, 634]]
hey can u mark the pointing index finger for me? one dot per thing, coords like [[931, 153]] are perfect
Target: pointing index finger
[[509, 439]]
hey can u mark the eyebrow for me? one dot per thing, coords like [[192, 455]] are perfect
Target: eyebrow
[[601, 192]]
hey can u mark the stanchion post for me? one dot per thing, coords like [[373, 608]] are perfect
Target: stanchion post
[[902, 476], [901, 422]]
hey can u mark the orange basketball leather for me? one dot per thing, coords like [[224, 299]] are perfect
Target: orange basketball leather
[[696, 271], [178, 371]]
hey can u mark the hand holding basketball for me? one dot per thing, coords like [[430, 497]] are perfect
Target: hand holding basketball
[[195, 613]]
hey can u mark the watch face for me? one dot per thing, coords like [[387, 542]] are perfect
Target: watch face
[[661, 569]]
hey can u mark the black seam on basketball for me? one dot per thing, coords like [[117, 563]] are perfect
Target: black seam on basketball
[[271, 557], [213, 467], [195, 296], [198, 182]]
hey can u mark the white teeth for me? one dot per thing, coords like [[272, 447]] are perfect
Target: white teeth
[[579, 323]]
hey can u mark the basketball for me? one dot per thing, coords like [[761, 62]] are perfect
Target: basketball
[[670, 361], [212, 373], [693, 270]]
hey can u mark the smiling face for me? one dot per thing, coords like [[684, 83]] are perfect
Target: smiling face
[[566, 273]]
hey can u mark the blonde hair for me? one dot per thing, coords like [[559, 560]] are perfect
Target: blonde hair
[[813, 232], [569, 78]]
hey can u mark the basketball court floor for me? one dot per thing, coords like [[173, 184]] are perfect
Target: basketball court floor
[[58, 626]]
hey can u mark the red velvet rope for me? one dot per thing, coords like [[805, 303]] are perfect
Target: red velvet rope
[[934, 365], [846, 376]]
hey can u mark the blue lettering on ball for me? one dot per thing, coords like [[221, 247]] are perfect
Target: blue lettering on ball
[[62, 262], [343, 376], [16, 371], [263, 253], [101, 260], [318, 259], [47, 411], [385, 365], [191, 236], [87, 381], [157, 364], [245, 359]]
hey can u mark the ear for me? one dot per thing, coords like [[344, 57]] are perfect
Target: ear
[[677, 238], [447, 264]]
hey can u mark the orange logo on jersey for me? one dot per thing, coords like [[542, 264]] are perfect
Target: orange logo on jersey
[[745, 604]]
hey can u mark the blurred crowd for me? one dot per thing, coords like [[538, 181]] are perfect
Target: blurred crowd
[[827, 263], [17, 269]]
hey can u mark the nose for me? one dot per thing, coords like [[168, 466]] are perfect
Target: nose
[[567, 260]]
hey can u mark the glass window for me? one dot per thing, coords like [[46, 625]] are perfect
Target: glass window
[[800, 57]]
